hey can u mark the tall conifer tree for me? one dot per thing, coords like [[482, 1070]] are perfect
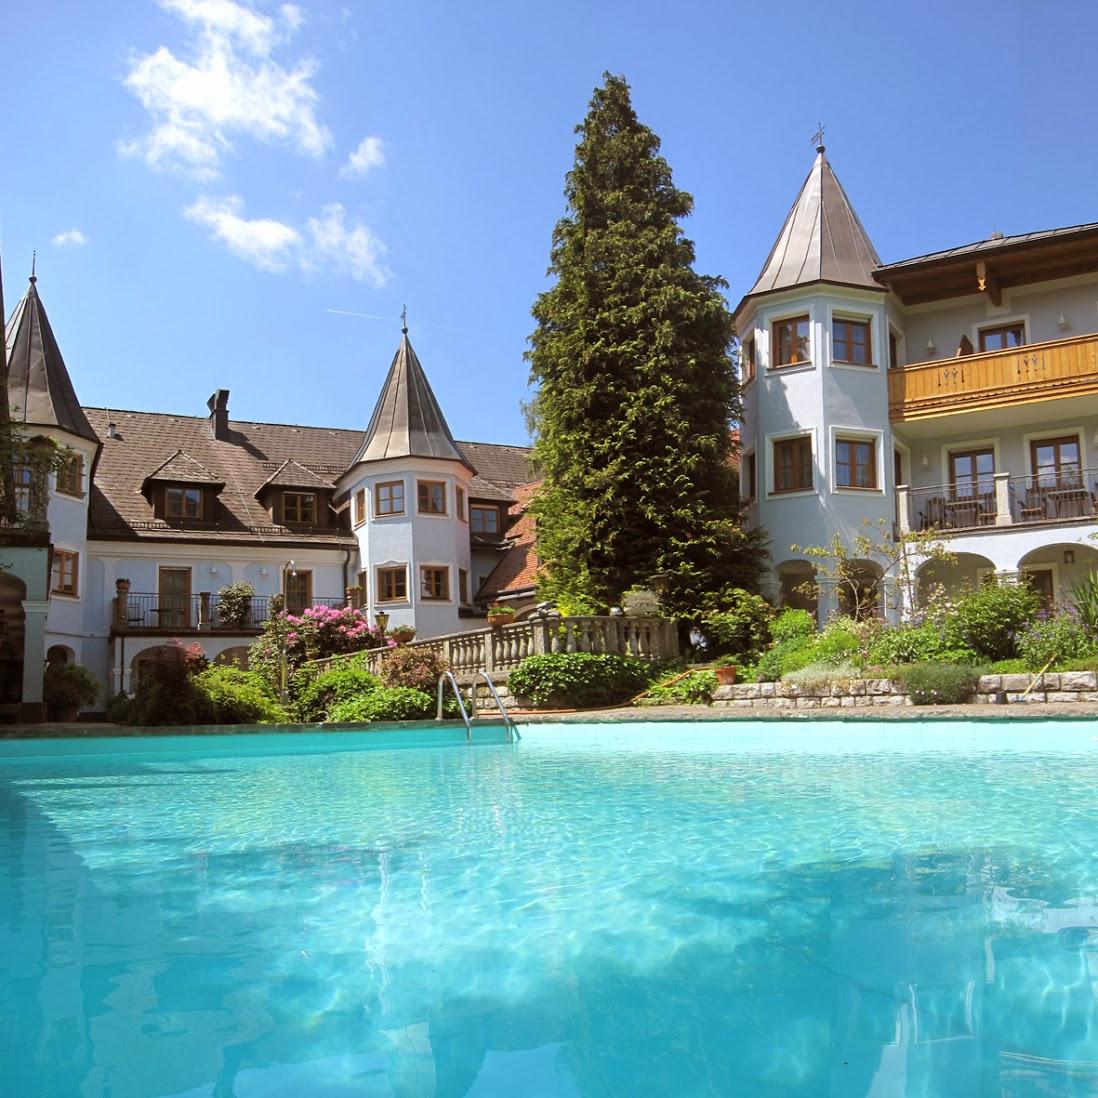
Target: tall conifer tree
[[636, 391]]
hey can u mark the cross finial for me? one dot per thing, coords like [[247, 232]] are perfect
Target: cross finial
[[34, 264], [818, 138], [404, 319]]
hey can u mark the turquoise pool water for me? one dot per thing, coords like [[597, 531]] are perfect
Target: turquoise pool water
[[810, 909]]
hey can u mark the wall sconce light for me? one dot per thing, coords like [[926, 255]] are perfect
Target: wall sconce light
[[264, 571], [925, 462], [1069, 556], [931, 348], [1063, 323], [213, 569]]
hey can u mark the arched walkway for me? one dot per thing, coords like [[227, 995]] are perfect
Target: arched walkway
[[12, 593], [60, 653], [234, 657], [1054, 570], [796, 579], [149, 656], [952, 577], [859, 589]]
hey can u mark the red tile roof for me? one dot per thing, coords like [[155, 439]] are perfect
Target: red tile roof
[[516, 571]]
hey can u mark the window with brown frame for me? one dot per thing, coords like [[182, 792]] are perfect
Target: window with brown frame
[[392, 584], [181, 502], [971, 473], [463, 586], [299, 508], [748, 477], [65, 577], [460, 503], [389, 498], [434, 583], [22, 478], [299, 591], [747, 359], [360, 506], [789, 342], [70, 477], [793, 464], [856, 462], [1003, 337], [1057, 461], [483, 520], [893, 350], [850, 342], [431, 496]]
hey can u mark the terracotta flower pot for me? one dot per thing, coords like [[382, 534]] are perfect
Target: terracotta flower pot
[[726, 676], [497, 620]]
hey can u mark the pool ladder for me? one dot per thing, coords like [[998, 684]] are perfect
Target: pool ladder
[[448, 677]]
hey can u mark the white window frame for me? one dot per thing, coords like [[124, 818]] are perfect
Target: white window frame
[[839, 312], [372, 500], [79, 575], [993, 321], [771, 468], [969, 444], [813, 350], [1054, 432], [857, 434], [391, 566], [441, 564]]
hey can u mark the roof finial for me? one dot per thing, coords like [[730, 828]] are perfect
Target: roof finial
[[34, 264], [818, 138], [404, 319]]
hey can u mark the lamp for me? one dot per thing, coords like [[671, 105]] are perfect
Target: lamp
[[283, 693], [213, 569], [381, 620], [925, 462], [931, 348], [1069, 556], [1063, 323]]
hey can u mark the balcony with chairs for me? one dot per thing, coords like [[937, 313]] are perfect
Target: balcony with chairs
[[145, 612]]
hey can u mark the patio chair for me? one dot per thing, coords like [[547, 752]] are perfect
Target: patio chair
[[987, 509], [1034, 507]]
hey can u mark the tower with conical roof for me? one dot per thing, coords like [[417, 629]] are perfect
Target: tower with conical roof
[[816, 334], [408, 491]]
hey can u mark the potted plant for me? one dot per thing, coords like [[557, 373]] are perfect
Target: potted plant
[[67, 688], [402, 634], [726, 674], [234, 605], [640, 602], [500, 615]]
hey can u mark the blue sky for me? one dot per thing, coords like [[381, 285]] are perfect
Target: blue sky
[[212, 186]]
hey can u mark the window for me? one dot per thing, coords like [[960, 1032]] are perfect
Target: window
[[360, 506], [972, 473], [893, 350], [65, 573], [173, 609], [434, 583], [392, 584], [432, 497], [183, 502], [460, 503], [21, 480], [789, 342], [484, 520], [1043, 582], [850, 342], [389, 498], [856, 463], [1003, 337], [70, 477], [463, 586], [299, 591], [793, 464], [748, 492], [747, 360], [1056, 461], [299, 507]]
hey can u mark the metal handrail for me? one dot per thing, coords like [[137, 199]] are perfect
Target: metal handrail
[[448, 676], [512, 731]]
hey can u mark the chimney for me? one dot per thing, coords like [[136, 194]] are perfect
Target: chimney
[[219, 414]]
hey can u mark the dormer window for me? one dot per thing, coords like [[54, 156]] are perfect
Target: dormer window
[[299, 508], [484, 520], [182, 502], [789, 342]]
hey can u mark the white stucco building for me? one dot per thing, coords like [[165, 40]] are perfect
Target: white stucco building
[[956, 391]]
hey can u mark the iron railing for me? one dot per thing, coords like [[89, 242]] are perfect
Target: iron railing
[[1055, 496], [954, 507], [145, 611]]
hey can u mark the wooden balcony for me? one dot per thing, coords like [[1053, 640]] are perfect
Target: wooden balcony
[[994, 379]]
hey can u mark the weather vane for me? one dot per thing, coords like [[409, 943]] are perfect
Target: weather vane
[[404, 319], [818, 138]]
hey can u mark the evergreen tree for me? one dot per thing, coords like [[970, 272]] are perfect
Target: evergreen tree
[[636, 388]]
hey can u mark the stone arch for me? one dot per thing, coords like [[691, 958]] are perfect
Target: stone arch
[[793, 576], [1055, 569], [60, 653], [12, 593], [860, 593], [952, 577], [148, 656], [237, 656]]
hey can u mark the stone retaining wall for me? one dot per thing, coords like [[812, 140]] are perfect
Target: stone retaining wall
[[1064, 686]]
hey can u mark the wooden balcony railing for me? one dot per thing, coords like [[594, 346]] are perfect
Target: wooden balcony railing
[[994, 379]]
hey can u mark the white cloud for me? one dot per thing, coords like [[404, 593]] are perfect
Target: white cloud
[[328, 243], [229, 85], [267, 244], [69, 237], [369, 154]]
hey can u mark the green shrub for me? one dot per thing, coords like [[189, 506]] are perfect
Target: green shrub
[[386, 703], [790, 655], [1084, 596], [939, 684], [741, 630], [840, 642], [238, 697], [579, 679], [119, 708], [924, 643], [1054, 640], [1005, 667], [695, 689], [990, 618], [316, 700], [234, 605], [418, 667], [68, 685], [816, 675], [791, 623], [1086, 663], [166, 692]]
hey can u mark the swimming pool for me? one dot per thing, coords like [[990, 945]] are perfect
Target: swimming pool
[[796, 908]]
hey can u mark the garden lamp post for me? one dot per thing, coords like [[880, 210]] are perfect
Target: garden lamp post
[[381, 619], [283, 694]]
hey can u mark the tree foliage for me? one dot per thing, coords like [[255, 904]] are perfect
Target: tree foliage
[[636, 390]]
